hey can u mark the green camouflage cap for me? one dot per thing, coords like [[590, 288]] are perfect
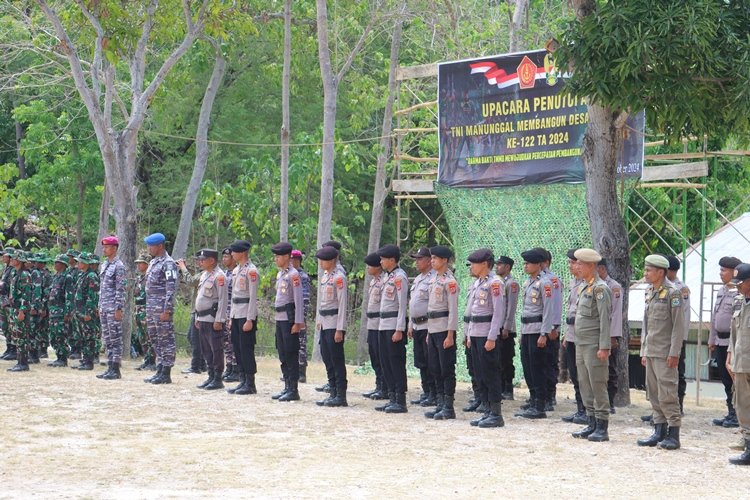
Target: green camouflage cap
[[62, 259], [143, 257], [20, 256], [8, 251], [72, 253]]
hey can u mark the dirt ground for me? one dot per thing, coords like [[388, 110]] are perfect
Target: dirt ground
[[66, 434]]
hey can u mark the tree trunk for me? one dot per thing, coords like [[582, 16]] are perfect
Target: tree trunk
[[516, 24], [284, 195], [201, 153], [379, 191], [103, 219], [21, 222]]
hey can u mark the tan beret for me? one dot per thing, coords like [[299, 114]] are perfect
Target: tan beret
[[587, 255], [655, 260]]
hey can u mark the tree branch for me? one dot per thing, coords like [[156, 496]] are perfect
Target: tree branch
[[96, 67], [357, 48], [138, 64]]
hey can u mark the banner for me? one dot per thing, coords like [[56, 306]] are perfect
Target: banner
[[503, 121]]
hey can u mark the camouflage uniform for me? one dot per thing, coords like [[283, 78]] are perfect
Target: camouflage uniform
[[229, 357], [86, 305], [38, 310], [140, 321], [72, 334], [5, 280], [20, 301], [306, 288], [56, 305], [161, 283], [111, 300]]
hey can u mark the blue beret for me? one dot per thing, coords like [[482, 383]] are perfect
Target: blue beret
[[154, 239]]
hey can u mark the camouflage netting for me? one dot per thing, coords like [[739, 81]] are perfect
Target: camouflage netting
[[509, 221]]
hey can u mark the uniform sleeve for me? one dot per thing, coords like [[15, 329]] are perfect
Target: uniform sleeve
[[92, 290], [341, 290], [192, 280], [252, 307], [712, 336], [557, 302], [452, 305], [548, 304], [222, 288], [37, 293], [402, 287], [299, 302], [498, 309], [603, 297], [69, 291], [24, 286], [170, 286], [732, 333], [615, 326], [120, 285], [644, 330], [678, 323], [511, 301], [318, 319]]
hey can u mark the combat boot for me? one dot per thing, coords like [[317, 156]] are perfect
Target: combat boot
[[34, 356], [494, 418], [647, 418], [156, 375], [243, 381], [292, 394], [731, 420], [114, 373], [244, 388], [250, 383], [483, 408], [227, 373], [660, 432], [282, 392], [86, 364], [143, 366], [12, 353], [533, 413], [332, 395], [473, 404], [418, 401], [380, 394], [109, 369], [207, 381], [507, 395], [216, 382], [586, 431], [75, 354], [22, 364], [391, 401], [530, 403], [340, 399], [235, 375], [165, 377], [447, 412], [370, 394], [485, 414], [430, 400], [672, 441], [580, 412], [600, 434], [439, 402], [302, 374], [323, 388], [743, 459], [60, 361], [399, 406]]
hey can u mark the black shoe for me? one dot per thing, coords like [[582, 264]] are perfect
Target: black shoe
[[472, 405], [339, 400], [429, 401], [419, 400], [380, 395], [75, 355], [533, 414], [106, 372], [165, 377], [530, 403], [672, 441], [11, 356], [647, 418], [86, 364], [243, 381], [507, 395], [570, 418], [476, 421], [399, 406], [549, 405], [21, 364], [282, 392], [191, 370], [494, 418], [391, 401], [660, 432], [446, 412], [153, 377], [586, 431], [143, 366], [743, 459], [292, 395], [207, 381], [216, 383], [58, 363], [370, 394], [302, 374], [250, 383], [439, 402], [720, 421], [600, 434], [731, 420], [323, 388], [234, 375], [244, 389], [114, 372]]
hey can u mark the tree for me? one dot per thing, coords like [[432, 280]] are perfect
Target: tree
[[285, 78]]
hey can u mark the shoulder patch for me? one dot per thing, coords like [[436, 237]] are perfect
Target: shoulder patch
[[398, 283], [685, 293], [296, 281], [555, 282], [496, 289], [676, 302], [548, 291], [339, 282], [452, 287], [514, 287], [253, 276], [617, 291], [220, 280]]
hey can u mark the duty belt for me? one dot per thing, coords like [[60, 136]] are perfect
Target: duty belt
[[437, 314], [280, 309], [570, 321], [389, 314], [240, 300], [419, 319], [531, 319], [328, 312], [375, 314], [208, 312], [477, 319], [723, 335]]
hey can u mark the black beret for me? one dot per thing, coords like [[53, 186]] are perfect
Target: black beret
[[240, 246], [282, 248], [546, 255], [481, 255], [729, 262], [206, 253], [390, 252], [373, 260], [422, 252], [603, 262], [327, 253], [333, 243], [741, 273], [572, 254], [504, 259], [533, 256], [441, 251], [674, 263], [226, 251]]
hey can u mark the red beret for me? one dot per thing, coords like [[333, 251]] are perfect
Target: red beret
[[111, 240]]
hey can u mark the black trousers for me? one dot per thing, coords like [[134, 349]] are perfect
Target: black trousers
[[720, 353], [570, 358], [612, 381], [472, 372], [421, 362], [196, 347], [212, 346], [681, 382], [244, 346], [393, 361], [333, 357], [287, 345], [552, 366], [534, 368], [373, 349], [507, 353], [443, 364], [489, 372]]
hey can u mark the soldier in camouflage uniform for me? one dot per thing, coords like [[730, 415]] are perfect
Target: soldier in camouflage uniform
[[87, 308], [60, 281], [161, 284], [5, 279], [42, 263], [232, 372], [20, 296], [38, 307], [111, 306], [71, 326], [140, 314]]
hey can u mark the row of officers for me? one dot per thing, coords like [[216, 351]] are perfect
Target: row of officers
[[425, 311]]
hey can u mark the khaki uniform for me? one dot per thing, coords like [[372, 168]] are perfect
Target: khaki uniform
[[331, 317], [662, 337], [393, 305], [508, 346], [485, 312], [210, 307], [418, 301], [373, 325], [739, 347], [615, 331], [442, 314], [593, 317]]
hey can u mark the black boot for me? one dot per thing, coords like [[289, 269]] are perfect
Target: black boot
[[243, 381], [600, 434], [207, 381], [250, 383], [380, 395], [235, 375], [533, 412], [86, 364], [302, 374], [12, 354], [332, 395], [340, 398], [586, 431], [672, 441], [245, 388], [109, 369], [507, 395], [473, 404], [144, 365], [60, 361], [292, 395], [447, 412], [282, 392], [323, 388], [731, 420], [418, 401], [114, 373], [484, 407], [399, 406], [439, 402], [647, 418], [660, 432], [530, 403], [156, 375], [34, 356], [370, 394], [430, 400], [216, 382], [165, 377], [391, 401], [22, 364], [227, 373], [576, 417], [743, 459], [494, 418]]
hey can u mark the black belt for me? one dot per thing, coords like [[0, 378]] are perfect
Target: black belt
[[419, 320], [241, 300], [723, 335], [481, 319], [375, 314], [437, 314], [208, 312], [570, 321], [531, 319], [328, 312], [389, 314], [280, 309]]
